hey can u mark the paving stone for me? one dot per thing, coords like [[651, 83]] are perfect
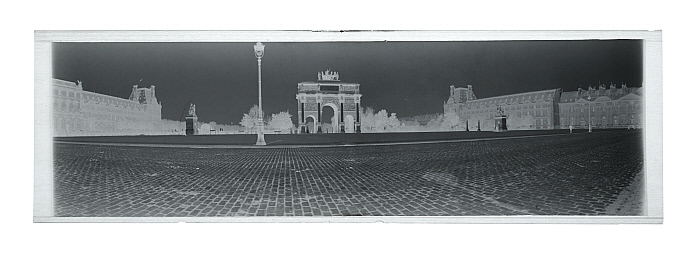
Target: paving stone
[[573, 174]]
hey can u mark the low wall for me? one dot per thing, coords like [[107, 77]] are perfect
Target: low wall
[[310, 139]]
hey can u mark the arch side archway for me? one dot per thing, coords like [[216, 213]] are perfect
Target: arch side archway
[[310, 119]]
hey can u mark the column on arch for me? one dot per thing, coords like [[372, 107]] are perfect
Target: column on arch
[[302, 119], [318, 118], [342, 118], [358, 126]]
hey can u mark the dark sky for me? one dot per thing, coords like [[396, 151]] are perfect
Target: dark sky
[[408, 78]]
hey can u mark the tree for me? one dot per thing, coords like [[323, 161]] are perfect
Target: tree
[[394, 123], [381, 121], [249, 120], [450, 121], [434, 123], [368, 119], [253, 112], [281, 121]]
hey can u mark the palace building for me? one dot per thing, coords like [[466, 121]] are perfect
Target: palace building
[[550, 109], [81, 113], [341, 99], [607, 107], [532, 110]]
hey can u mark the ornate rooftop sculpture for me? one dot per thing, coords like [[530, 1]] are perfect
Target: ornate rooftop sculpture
[[328, 75]]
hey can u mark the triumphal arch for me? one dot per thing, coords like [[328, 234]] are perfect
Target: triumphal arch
[[343, 100]]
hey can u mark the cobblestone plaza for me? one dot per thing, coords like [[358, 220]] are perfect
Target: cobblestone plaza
[[570, 174]]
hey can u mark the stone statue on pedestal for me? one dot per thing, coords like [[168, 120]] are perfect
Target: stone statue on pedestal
[[191, 121], [192, 110]]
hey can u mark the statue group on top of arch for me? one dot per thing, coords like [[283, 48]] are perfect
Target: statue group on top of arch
[[328, 75]]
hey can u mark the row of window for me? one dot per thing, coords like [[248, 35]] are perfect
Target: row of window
[[76, 107], [598, 108], [513, 107], [100, 99], [535, 113], [616, 120]]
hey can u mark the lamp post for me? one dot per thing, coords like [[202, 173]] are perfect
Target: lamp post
[[590, 129], [259, 52]]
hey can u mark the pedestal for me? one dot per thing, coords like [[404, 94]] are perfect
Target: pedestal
[[358, 128], [500, 122], [261, 133], [191, 125]]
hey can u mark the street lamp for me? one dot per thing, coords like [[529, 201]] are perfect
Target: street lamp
[[590, 129], [259, 52]]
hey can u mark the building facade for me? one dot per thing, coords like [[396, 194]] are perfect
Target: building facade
[[328, 90], [611, 107], [81, 113], [531, 110]]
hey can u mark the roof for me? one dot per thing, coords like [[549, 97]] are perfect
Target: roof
[[64, 83], [520, 98], [611, 93]]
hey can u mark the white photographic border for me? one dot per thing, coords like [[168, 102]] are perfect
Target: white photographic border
[[653, 114]]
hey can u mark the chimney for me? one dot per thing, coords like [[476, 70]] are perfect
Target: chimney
[[153, 90], [452, 90], [133, 96]]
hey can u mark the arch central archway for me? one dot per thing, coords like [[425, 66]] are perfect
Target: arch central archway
[[331, 116]]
